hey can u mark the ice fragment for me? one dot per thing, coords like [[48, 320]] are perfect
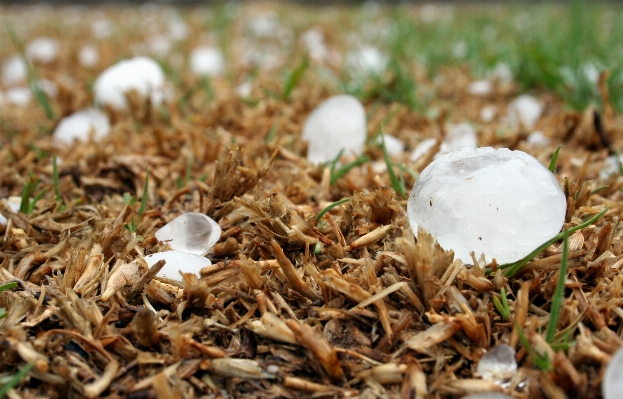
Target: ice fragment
[[612, 384], [191, 232], [141, 74], [498, 363], [526, 110], [501, 203], [338, 123], [177, 261], [79, 125]]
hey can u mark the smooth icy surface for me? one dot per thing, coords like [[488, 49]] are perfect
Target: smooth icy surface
[[140, 73], [14, 202], [191, 232], [79, 125], [177, 261], [337, 123], [612, 384], [207, 60], [526, 110], [501, 202], [498, 363]]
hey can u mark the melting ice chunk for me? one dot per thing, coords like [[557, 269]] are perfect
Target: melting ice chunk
[[612, 384], [177, 261], [338, 123], [79, 125], [526, 110], [191, 232], [141, 74], [501, 203], [498, 363], [207, 60]]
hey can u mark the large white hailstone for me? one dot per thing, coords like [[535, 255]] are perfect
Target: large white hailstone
[[177, 261], [501, 203], [207, 60], [498, 364], [612, 384], [88, 56], [80, 124], [526, 110], [14, 203], [393, 145], [43, 49], [458, 136], [141, 74], [367, 60], [14, 70], [191, 232], [19, 96], [480, 87], [338, 123]]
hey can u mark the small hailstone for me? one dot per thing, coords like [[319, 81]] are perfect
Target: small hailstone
[[43, 49], [207, 60], [264, 25], [611, 166], [459, 50], [612, 384], [393, 144], [244, 89], [367, 60], [78, 126], [487, 113], [525, 109], [140, 73], [537, 139], [48, 87], [501, 203], [191, 232], [14, 70], [422, 149], [18, 96], [480, 87], [177, 261], [314, 42], [498, 363], [338, 123], [461, 135], [14, 203], [102, 29], [488, 395], [159, 45], [88, 56], [178, 29], [502, 71]]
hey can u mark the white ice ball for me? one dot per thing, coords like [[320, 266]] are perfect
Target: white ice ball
[[141, 74], [80, 124], [526, 110], [191, 232], [207, 60], [43, 49], [501, 203], [338, 123]]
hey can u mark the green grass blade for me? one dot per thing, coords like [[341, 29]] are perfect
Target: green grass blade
[[31, 74], [27, 190], [398, 187], [552, 163], [2, 313], [337, 174], [514, 267], [141, 210], [331, 206], [57, 182], [500, 308], [335, 161], [8, 286], [294, 78], [559, 292], [15, 380]]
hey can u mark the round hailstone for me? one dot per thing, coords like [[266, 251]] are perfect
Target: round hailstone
[[525, 109], [537, 139], [78, 126], [140, 73], [88, 56], [207, 60], [338, 123], [501, 203], [487, 113], [458, 136], [498, 363], [612, 384], [393, 144], [191, 232], [177, 261], [480, 87], [19, 96], [14, 203], [13, 70], [42, 49]]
